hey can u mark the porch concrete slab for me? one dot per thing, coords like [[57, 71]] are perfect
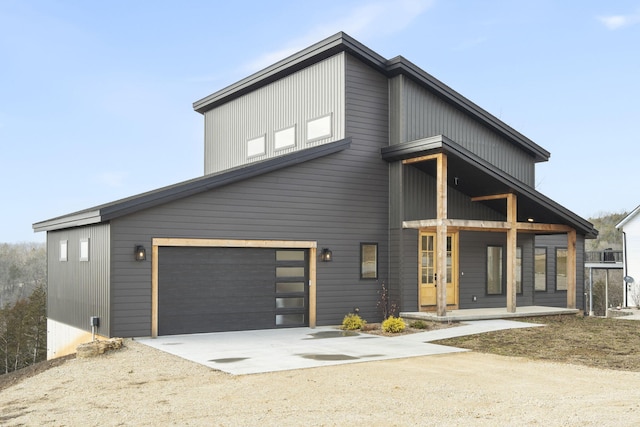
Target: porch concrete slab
[[488, 313], [251, 352]]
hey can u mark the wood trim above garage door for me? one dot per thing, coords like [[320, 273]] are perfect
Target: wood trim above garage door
[[231, 243]]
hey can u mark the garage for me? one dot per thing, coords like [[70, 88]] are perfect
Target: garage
[[216, 289]]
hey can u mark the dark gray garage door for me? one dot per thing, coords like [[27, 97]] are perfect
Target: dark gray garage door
[[231, 289]]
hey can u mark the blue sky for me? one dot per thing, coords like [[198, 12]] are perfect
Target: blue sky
[[96, 97]]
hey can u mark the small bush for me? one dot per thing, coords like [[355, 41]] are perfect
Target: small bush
[[393, 325], [418, 324], [351, 322]]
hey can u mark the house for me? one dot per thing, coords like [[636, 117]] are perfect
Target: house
[[630, 226], [327, 175]]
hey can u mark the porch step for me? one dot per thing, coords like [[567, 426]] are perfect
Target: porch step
[[488, 313]]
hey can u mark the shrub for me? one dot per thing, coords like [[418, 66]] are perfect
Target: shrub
[[418, 324], [351, 322], [393, 325]]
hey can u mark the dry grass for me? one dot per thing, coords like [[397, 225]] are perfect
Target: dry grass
[[590, 341]]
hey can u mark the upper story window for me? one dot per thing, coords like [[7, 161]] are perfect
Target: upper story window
[[64, 251], [84, 249], [285, 138], [319, 128], [255, 146]]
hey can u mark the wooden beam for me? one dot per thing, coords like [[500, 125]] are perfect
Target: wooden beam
[[232, 243], [571, 269], [421, 159], [441, 236], [154, 291], [481, 225], [490, 197], [312, 286], [512, 247]]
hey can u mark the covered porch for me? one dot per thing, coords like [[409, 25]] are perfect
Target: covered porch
[[488, 313]]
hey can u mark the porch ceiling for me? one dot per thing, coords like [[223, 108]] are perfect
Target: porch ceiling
[[475, 177]]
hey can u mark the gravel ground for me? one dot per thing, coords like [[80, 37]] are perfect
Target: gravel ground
[[139, 385]]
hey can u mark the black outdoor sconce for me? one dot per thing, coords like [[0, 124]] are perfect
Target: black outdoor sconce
[[140, 253], [326, 255]]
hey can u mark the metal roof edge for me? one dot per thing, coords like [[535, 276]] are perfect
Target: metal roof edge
[[77, 219], [401, 65], [628, 218], [187, 188], [317, 52]]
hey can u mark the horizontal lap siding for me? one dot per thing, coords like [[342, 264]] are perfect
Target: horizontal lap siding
[[339, 201], [551, 297]]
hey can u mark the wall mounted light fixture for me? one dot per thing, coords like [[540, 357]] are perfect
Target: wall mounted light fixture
[[140, 253], [326, 255]]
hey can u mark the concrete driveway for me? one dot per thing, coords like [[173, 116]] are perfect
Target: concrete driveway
[[251, 352]]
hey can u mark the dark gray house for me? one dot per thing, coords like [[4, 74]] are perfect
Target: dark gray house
[[333, 154]]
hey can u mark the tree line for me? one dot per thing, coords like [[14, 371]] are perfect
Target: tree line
[[23, 305]]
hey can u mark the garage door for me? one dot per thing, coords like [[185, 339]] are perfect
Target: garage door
[[216, 289]]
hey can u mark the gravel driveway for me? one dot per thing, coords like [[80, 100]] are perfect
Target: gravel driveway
[[139, 385]]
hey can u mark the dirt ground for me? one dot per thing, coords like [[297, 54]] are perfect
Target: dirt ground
[[139, 385]]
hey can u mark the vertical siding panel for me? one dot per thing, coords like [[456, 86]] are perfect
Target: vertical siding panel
[[307, 94], [78, 289], [428, 115]]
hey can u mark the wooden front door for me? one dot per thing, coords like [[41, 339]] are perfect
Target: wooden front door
[[427, 264]]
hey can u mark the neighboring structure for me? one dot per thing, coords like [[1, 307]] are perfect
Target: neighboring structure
[[630, 227], [334, 153]]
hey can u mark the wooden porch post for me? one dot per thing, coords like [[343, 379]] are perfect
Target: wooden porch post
[[512, 247], [571, 269], [441, 236]]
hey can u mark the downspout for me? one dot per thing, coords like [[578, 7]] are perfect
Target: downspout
[[625, 285]]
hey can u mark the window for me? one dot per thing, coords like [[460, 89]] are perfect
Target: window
[[319, 128], [285, 138], [84, 249], [64, 252], [255, 146], [368, 260], [496, 270], [561, 269], [540, 270]]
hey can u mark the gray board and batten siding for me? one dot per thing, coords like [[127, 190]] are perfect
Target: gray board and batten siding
[[77, 290], [339, 200], [418, 113]]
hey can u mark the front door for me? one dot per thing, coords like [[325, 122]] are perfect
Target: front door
[[428, 259]]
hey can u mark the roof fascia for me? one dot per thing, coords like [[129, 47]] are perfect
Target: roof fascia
[[77, 219], [184, 189], [628, 218], [401, 65], [330, 46]]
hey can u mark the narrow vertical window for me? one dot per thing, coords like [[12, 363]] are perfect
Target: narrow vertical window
[[84, 249], [541, 270], [64, 251], [368, 260], [494, 270], [519, 270], [561, 269]]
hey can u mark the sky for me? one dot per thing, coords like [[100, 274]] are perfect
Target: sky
[[96, 97]]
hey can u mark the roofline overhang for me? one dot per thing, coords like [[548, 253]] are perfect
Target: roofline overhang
[[119, 208], [341, 42], [442, 144], [628, 218]]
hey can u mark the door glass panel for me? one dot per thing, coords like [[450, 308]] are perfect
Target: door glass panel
[[290, 255], [289, 271], [289, 287], [289, 319], [289, 302]]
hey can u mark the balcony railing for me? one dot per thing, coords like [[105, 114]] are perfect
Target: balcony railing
[[605, 256]]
